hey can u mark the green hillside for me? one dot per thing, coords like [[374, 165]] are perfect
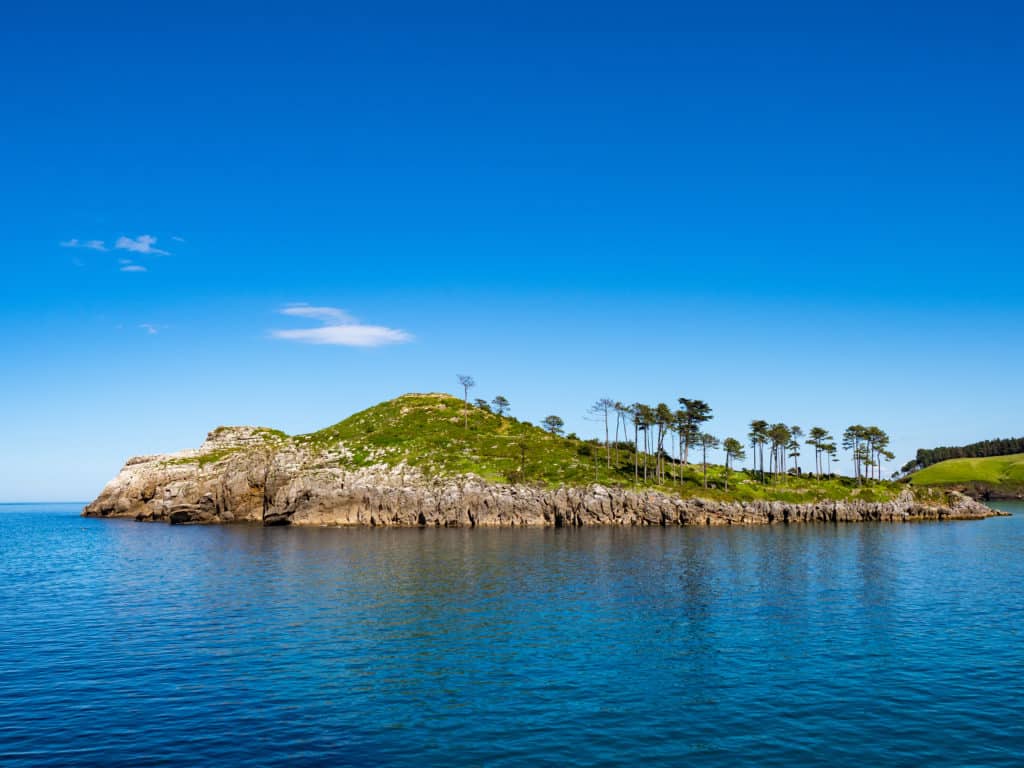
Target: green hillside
[[993, 474], [437, 433]]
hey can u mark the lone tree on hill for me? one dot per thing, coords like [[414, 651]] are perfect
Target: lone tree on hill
[[467, 383], [482, 404], [500, 405], [554, 424], [733, 452]]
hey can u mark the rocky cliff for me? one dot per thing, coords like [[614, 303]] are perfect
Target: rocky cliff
[[260, 476]]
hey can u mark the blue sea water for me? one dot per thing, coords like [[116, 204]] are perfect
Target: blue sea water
[[883, 645]]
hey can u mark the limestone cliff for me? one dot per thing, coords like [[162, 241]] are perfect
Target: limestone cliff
[[260, 476]]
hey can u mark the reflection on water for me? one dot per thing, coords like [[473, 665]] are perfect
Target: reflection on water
[[880, 644]]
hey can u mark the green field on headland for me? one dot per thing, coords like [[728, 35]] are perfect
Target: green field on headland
[[440, 435], [998, 475]]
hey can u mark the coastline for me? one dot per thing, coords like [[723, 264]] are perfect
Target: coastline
[[281, 491]]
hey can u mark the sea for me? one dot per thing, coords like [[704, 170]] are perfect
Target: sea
[[124, 643]]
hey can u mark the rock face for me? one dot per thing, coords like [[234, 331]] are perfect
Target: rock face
[[249, 475]]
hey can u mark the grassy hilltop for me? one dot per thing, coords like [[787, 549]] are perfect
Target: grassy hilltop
[[437, 433], [998, 475]]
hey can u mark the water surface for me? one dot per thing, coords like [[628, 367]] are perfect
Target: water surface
[[866, 644]]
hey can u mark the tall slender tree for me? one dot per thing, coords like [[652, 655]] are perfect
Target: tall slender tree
[[645, 417], [779, 435], [601, 409], [878, 443], [467, 383], [694, 414], [500, 404], [634, 417], [832, 452], [733, 452], [663, 422], [758, 437], [818, 438], [853, 437], [621, 416], [793, 447], [707, 442]]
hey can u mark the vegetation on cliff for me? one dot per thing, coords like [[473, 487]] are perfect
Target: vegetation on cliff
[[445, 435]]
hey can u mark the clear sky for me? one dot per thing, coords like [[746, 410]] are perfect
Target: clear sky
[[796, 211]]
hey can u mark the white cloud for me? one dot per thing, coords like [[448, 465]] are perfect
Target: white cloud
[[177, 239], [149, 328], [95, 245], [140, 244], [133, 268], [351, 335], [339, 328], [325, 314]]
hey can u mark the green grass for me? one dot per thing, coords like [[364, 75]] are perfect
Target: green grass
[[995, 471], [437, 434], [204, 459]]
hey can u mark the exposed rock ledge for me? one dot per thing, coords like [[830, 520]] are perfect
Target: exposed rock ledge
[[284, 484]]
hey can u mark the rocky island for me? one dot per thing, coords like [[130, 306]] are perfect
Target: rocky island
[[433, 460]]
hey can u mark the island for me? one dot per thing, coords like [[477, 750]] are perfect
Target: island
[[437, 460]]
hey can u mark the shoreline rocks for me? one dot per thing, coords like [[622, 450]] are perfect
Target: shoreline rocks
[[276, 482]]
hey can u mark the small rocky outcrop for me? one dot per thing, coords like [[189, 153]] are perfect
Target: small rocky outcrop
[[252, 475]]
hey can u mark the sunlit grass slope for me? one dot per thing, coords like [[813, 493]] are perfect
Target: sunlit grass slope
[[995, 471], [438, 434]]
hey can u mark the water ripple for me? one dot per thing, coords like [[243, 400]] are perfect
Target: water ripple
[[123, 643]]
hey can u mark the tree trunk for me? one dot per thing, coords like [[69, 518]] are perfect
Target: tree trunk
[[636, 453], [647, 449], [607, 445]]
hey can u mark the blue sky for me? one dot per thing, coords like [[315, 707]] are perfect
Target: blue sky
[[800, 212]]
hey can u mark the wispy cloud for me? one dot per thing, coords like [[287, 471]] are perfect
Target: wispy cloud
[[339, 328], [140, 244], [177, 239], [149, 328], [95, 245], [325, 314], [127, 266]]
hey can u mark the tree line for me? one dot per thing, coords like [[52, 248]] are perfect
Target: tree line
[[659, 437]]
